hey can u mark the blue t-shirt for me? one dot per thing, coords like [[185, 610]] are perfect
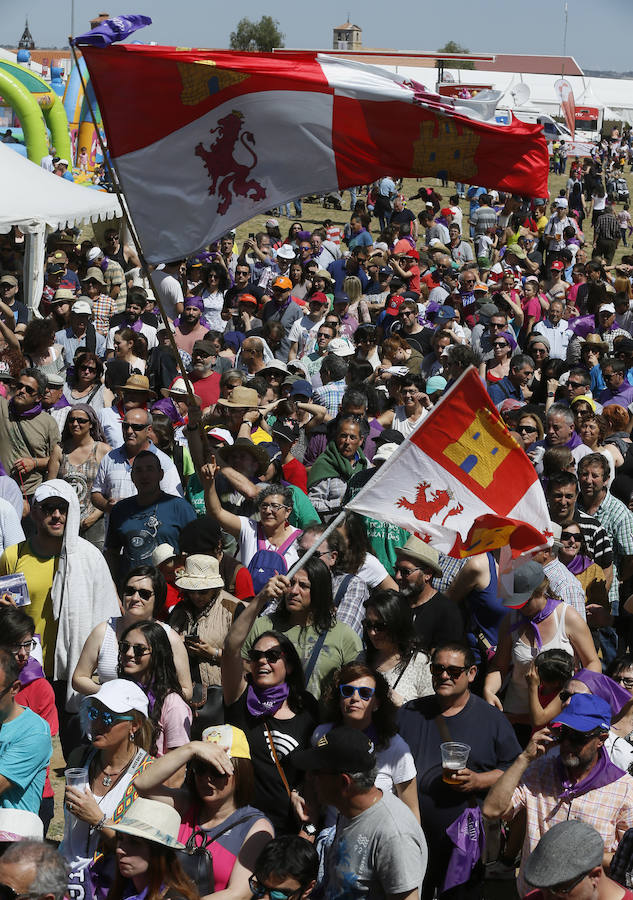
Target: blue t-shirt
[[362, 239], [25, 752], [339, 274], [138, 530]]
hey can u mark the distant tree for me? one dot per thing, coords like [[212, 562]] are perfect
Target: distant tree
[[454, 47], [262, 35]]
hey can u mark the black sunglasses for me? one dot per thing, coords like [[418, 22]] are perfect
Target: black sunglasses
[[144, 593], [139, 650], [529, 429], [271, 656], [76, 421], [371, 625], [20, 386], [453, 672], [48, 507], [134, 426]]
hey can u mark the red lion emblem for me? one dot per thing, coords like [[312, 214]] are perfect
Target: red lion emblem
[[425, 509], [229, 177]]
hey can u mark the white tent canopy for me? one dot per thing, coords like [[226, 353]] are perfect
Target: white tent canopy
[[37, 201]]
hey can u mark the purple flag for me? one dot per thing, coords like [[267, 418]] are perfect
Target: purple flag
[[112, 30]]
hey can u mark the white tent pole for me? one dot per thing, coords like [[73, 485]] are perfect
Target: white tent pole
[[33, 273]]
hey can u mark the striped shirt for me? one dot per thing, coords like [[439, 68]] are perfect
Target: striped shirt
[[617, 521], [607, 227], [597, 540], [608, 809]]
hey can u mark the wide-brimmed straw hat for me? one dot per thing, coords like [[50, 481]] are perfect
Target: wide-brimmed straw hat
[[241, 397], [139, 384], [152, 820], [201, 573]]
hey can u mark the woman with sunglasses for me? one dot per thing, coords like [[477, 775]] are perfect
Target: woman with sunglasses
[[574, 555], [503, 346], [529, 427], [212, 290], [116, 724], [538, 621], [85, 386], [17, 631], [392, 647], [144, 593], [265, 696], [216, 799], [593, 429], [146, 658], [76, 460], [359, 697]]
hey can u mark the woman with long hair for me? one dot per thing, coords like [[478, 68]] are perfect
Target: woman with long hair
[[216, 799], [85, 385], [128, 348], [144, 592], [305, 613], [40, 350], [503, 346], [215, 283], [538, 621], [147, 862], [574, 555], [357, 557], [593, 429], [116, 724], [265, 696], [392, 646], [359, 697], [76, 460], [146, 658], [300, 277], [352, 286]]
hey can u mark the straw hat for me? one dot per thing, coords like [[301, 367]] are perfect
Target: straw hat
[[162, 553], [417, 551], [596, 343], [177, 390], [241, 397], [139, 384], [201, 573], [152, 820]]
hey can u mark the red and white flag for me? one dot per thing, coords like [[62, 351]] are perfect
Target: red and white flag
[[568, 103], [461, 482], [203, 139]]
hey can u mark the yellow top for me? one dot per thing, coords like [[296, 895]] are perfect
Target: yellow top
[[39, 573]]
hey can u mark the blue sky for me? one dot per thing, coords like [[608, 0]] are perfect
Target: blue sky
[[598, 34]]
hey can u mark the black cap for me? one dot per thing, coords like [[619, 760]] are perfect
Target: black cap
[[342, 749], [388, 436], [286, 429]]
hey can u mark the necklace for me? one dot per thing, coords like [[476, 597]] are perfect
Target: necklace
[[109, 777]]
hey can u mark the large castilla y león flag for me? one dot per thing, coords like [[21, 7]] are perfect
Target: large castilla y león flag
[[204, 139], [461, 482]]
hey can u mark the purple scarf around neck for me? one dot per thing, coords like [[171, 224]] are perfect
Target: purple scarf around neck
[[24, 413], [266, 702], [535, 620], [149, 693], [31, 672], [579, 564], [604, 772]]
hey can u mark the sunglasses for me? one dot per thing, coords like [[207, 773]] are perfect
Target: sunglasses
[[76, 421], [26, 387], [205, 770], [574, 737], [108, 718], [348, 690], [48, 507], [139, 650], [625, 682], [570, 536], [567, 887], [529, 429], [25, 645], [85, 368], [406, 572], [133, 426], [371, 625], [453, 672], [271, 656], [259, 890], [500, 344], [143, 593]]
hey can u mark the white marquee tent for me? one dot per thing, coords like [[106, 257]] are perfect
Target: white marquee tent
[[38, 203]]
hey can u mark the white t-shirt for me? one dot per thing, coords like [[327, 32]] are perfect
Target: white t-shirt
[[303, 331], [147, 330], [10, 527], [213, 306], [170, 291], [372, 571], [248, 544]]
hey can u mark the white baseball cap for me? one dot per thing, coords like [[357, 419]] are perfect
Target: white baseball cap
[[121, 695]]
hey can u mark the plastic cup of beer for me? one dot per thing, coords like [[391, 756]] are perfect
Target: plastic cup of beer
[[454, 758], [77, 778]]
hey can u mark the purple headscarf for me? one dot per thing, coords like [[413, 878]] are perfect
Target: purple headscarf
[[509, 338], [606, 688], [194, 301]]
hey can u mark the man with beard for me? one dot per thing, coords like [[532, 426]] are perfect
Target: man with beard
[[580, 782], [134, 306], [204, 378], [436, 618], [189, 329]]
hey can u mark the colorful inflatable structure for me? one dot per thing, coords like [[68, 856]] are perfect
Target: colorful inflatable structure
[[38, 107], [82, 130]]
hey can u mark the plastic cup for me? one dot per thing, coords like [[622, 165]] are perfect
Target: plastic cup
[[454, 758], [77, 778]]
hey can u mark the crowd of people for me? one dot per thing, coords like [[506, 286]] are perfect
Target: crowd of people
[[238, 719]]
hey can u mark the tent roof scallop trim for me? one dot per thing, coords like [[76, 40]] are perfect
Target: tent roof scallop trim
[[32, 197]]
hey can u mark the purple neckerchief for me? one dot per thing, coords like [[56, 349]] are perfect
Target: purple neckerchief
[[149, 693], [535, 620], [104, 263], [14, 414], [266, 702], [60, 404], [135, 326], [467, 836], [574, 441], [31, 672], [603, 773], [579, 564], [606, 688]]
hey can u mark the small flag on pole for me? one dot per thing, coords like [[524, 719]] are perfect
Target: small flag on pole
[[461, 482], [112, 30]]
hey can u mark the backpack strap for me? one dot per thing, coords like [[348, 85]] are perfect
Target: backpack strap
[[341, 589], [309, 669], [281, 550]]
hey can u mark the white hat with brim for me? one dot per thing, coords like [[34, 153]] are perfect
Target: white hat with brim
[[201, 573], [340, 347], [20, 825], [154, 821], [162, 553], [120, 696]]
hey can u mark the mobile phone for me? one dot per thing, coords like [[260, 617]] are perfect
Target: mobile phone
[[251, 235], [190, 638]]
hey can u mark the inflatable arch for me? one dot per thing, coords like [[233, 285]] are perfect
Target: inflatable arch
[[37, 107]]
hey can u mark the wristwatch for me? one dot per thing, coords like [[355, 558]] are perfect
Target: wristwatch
[[309, 829]]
